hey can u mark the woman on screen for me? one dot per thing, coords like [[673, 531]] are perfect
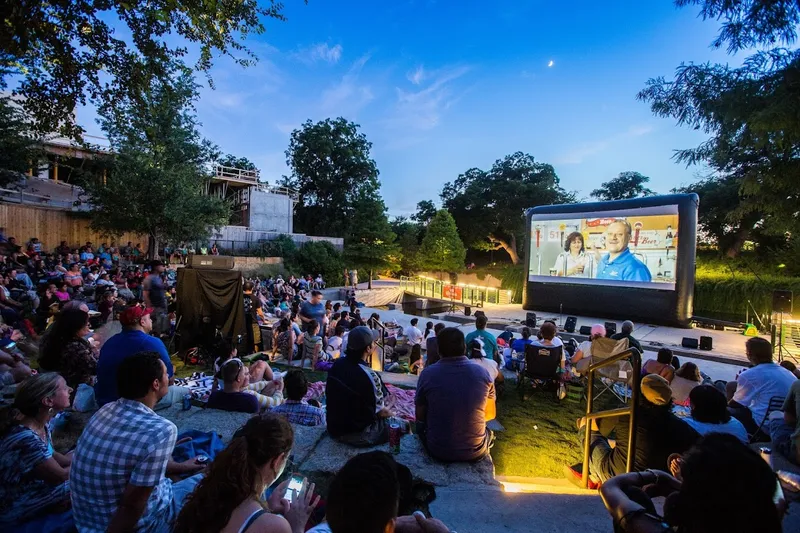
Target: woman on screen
[[574, 262]]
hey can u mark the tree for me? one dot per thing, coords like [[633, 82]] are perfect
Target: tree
[[317, 258], [242, 163], [426, 210], [408, 239], [624, 187], [159, 170], [751, 114], [20, 150], [331, 170], [489, 206], [370, 243], [108, 52], [442, 249]]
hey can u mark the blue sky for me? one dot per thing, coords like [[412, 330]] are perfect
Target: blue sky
[[439, 87]]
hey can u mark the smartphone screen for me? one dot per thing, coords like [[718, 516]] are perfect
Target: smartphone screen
[[294, 488]]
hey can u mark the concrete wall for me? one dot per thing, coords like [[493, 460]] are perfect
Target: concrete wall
[[238, 237], [270, 212]]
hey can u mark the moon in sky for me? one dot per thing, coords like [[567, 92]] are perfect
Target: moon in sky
[[551, 63]]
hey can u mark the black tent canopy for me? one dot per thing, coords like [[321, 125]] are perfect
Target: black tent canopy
[[207, 300]]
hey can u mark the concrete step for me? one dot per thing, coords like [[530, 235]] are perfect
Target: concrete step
[[471, 509]]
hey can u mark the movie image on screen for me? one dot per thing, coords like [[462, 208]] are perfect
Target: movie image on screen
[[631, 248]]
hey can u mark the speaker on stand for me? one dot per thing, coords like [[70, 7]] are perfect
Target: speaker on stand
[[781, 303], [530, 320], [569, 325]]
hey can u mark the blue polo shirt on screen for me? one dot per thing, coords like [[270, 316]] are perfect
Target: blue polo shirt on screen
[[114, 351], [625, 267]]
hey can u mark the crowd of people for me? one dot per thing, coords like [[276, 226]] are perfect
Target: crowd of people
[[691, 431]]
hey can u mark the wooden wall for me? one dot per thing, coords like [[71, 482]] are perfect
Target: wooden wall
[[52, 226]]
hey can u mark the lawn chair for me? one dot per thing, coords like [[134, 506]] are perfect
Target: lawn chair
[[775, 404], [542, 366], [614, 378]]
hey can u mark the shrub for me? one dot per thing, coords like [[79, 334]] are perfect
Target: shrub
[[317, 258]]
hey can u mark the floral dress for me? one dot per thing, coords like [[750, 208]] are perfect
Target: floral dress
[[78, 363]]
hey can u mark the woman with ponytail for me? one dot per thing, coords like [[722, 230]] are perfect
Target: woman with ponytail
[[33, 476], [228, 499]]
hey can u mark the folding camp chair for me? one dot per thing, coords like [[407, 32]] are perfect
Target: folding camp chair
[[614, 378], [775, 404], [541, 366]]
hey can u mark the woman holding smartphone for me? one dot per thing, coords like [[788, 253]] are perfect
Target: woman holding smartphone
[[229, 498]]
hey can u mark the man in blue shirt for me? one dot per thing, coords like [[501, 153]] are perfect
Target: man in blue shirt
[[313, 309], [134, 338], [619, 263]]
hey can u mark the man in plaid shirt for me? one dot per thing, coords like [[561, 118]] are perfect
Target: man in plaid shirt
[[294, 408], [118, 471]]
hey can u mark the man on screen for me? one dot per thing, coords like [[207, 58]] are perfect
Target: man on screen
[[619, 263]]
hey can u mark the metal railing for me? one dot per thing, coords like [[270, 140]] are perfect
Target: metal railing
[[232, 173], [472, 295], [632, 409], [27, 198]]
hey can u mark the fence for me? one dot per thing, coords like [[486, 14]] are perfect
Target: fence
[[461, 292]]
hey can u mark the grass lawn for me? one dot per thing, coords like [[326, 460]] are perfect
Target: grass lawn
[[521, 450]]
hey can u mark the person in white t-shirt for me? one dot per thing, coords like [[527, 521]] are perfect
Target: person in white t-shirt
[[754, 387], [413, 334], [477, 355], [335, 342], [549, 340]]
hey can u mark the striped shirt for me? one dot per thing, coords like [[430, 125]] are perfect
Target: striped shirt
[[264, 402]]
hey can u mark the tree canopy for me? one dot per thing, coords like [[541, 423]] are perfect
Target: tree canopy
[[751, 114], [441, 249], [625, 186], [370, 242], [426, 210], [331, 170], [160, 169], [19, 148], [242, 163], [489, 206], [108, 52]]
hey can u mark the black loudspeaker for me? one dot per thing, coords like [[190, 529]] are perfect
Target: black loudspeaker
[[781, 301], [216, 262], [569, 325], [611, 328], [530, 320], [688, 342], [467, 311], [706, 343], [585, 330]]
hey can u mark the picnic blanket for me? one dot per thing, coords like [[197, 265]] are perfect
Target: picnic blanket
[[400, 401], [199, 385]]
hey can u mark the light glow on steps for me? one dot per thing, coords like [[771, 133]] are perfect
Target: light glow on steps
[[530, 485]]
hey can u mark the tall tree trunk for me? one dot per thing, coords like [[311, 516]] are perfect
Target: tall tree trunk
[[736, 246], [152, 246], [369, 283], [510, 246]]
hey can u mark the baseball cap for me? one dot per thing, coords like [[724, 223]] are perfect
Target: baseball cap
[[656, 389], [359, 339], [133, 314]]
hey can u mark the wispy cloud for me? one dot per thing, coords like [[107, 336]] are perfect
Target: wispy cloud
[[349, 94], [417, 75], [423, 109], [320, 52], [581, 152]]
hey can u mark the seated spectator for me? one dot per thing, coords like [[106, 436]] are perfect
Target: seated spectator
[[62, 293], [489, 340], [627, 333], [295, 409], [477, 355], [697, 503], [33, 477], [659, 433], [134, 338], [13, 368], [335, 342], [66, 351], [686, 378], [285, 341], [225, 351], [74, 278], [710, 413], [365, 496], [227, 499], [106, 306], [549, 340], [754, 387], [118, 474], [238, 394], [661, 366], [312, 344], [451, 403], [412, 333], [784, 430], [518, 346], [791, 367], [432, 345], [582, 359], [356, 407]]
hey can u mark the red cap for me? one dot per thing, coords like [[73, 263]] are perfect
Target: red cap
[[132, 315]]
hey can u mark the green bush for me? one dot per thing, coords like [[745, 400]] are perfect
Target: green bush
[[512, 277], [317, 258], [725, 296], [264, 271]]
